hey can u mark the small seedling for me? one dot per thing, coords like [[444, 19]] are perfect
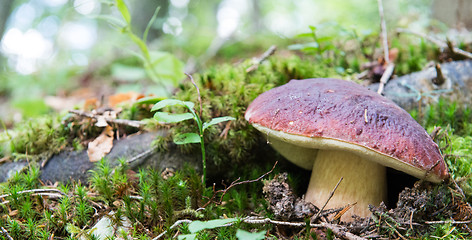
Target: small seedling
[[192, 114]]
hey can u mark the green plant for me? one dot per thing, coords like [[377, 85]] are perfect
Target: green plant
[[328, 45], [162, 67], [197, 226], [187, 138], [196, 230]]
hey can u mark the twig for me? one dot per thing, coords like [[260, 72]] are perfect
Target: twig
[[342, 233], [177, 223], [385, 76], [343, 211], [383, 27], [35, 191], [446, 222], [126, 122], [335, 228], [390, 66], [198, 92], [313, 219], [260, 59], [458, 188], [5, 232], [142, 155], [233, 184], [396, 231], [439, 79], [256, 220], [436, 41]]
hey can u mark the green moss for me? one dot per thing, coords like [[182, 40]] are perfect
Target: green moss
[[227, 90], [454, 138], [44, 135]]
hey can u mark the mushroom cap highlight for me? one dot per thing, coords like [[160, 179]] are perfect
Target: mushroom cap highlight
[[327, 113]]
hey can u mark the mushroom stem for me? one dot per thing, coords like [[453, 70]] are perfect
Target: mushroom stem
[[364, 182]]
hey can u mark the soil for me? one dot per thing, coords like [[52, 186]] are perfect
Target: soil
[[417, 210]]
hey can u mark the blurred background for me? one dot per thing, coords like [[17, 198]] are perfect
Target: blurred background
[[55, 51]]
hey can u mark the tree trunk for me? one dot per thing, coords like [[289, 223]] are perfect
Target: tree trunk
[[5, 11]]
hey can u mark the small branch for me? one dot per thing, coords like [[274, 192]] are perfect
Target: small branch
[[337, 230], [142, 155], [313, 219], [54, 193], [342, 233], [35, 191], [233, 184], [383, 27], [5, 232], [343, 211], [386, 75], [260, 59], [198, 92], [458, 188], [396, 231], [439, 79], [131, 123], [177, 223], [390, 66], [437, 42], [448, 222]]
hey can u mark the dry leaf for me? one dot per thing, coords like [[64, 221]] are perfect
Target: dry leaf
[[101, 146], [101, 121], [90, 104], [118, 98]]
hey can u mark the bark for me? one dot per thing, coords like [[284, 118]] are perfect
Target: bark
[[75, 165], [5, 10], [419, 88]]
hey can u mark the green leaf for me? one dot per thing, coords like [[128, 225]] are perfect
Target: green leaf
[[165, 67], [188, 236], [216, 121], [187, 138], [116, 22], [141, 44], [120, 4], [31, 107], [197, 226], [172, 102], [149, 100], [127, 73], [304, 35], [172, 117], [241, 234], [153, 18], [304, 46]]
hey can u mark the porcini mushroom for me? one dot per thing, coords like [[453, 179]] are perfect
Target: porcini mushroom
[[340, 129]]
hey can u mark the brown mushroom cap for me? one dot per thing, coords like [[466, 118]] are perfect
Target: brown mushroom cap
[[337, 114]]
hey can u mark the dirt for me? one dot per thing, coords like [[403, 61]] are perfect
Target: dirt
[[418, 210]]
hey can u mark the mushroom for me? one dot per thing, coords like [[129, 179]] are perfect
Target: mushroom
[[340, 129]]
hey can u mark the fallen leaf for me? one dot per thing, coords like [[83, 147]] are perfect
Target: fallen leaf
[[118, 98], [101, 121], [90, 104], [101, 146]]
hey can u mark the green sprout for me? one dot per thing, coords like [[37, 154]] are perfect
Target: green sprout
[[186, 138]]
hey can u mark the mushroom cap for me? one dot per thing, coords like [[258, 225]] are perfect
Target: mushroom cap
[[328, 113]]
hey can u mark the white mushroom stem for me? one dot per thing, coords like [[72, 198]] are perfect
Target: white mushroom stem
[[364, 182]]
